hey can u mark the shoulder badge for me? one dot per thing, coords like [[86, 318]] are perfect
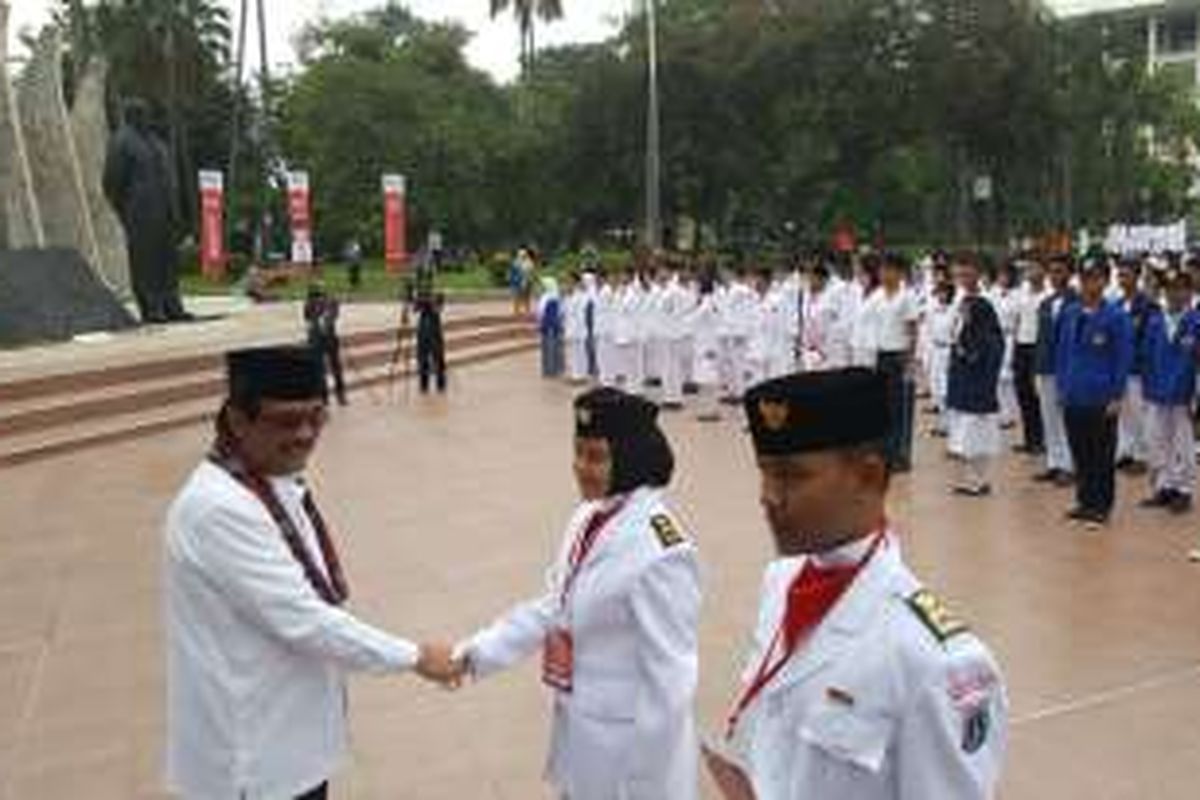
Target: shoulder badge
[[666, 531], [930, 609]]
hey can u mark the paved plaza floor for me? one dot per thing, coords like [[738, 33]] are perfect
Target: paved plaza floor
[[448, 509]]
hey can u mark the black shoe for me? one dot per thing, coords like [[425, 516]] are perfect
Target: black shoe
[[1064, 479], [1136, 468], [1079, 514], [982, 490], [1124, 463], [672, 406], [1048, 476], [1160, 499], [1180, 503]]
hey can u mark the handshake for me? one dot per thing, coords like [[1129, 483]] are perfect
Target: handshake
[[440, 664]]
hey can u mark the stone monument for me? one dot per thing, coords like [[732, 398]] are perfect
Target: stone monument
[[89, 129], [20, 218], [50, 150]]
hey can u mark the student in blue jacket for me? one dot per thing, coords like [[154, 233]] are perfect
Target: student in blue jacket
[[1170, 352], [1094, 356]]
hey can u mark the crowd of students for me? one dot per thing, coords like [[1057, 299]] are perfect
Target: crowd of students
[[1093, 358]]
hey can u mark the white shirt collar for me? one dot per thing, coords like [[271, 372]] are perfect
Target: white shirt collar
[[847, 555]]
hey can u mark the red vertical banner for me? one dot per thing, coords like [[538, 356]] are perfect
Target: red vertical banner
[[212, 224], [395, 223], [300, 213]]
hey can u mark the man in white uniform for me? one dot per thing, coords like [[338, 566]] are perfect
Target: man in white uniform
[[258, 643], [860, 685]]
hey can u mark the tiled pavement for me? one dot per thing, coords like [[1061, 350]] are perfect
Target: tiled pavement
[[448, 510]]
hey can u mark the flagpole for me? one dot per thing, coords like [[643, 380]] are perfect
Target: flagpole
[[653, 136]]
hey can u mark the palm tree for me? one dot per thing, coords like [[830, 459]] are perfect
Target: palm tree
[[527, 13]]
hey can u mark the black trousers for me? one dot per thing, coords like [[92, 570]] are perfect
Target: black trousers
[[431, 351], [319, 793], [1092, 434], [901, 398], [1026, 384], [330, 349]]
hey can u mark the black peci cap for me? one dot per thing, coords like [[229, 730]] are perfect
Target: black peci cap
[[607, 413], [818, 411], [290, 372]]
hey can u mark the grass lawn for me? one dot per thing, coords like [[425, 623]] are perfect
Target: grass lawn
[[377, 284]]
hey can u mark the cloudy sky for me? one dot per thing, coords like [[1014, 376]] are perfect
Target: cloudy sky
[[495, 42]]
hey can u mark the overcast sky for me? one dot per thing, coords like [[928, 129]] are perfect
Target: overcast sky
[[494, 46]]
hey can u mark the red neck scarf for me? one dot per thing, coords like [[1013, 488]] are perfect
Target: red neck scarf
[[812, 595]]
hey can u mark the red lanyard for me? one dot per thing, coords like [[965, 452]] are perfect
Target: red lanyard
[[585, 542], [787, 641]]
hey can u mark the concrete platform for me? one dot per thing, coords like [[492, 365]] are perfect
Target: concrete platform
[[448, 510]]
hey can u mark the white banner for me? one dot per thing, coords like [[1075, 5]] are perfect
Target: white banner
[[1135, 239]]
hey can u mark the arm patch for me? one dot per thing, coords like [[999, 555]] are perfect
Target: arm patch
[[666, 531], [941, 622]]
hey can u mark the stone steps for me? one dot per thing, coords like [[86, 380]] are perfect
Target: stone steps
[[56, 414]]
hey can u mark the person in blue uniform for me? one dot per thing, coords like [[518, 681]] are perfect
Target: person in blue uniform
[[1169, 351], [1095, 354], [1059, 469], [1132, 446]]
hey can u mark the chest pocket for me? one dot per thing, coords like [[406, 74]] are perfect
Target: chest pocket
[[853, 736]]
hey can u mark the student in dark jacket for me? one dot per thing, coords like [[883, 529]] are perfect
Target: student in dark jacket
[[976, 357], [1059, 467], [1095, 354]]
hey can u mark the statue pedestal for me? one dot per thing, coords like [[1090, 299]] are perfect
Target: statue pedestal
[[54, 295]]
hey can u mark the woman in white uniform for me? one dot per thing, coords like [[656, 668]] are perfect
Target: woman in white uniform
[[617, 620]]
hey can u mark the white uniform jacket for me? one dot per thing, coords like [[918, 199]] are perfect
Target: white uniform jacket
[[883, 702], [626, 730], [256, 660]]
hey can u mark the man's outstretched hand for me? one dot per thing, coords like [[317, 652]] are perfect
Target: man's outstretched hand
[[438, 664]]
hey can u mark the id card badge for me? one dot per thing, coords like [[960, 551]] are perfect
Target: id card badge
[[558, 660]]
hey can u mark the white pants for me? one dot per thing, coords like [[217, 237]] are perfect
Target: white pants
[[606, 361], [1132, 431], [1009, 410], [628, 366], [1172, 441], [577, 361], [733, 365], [1058, 450], [653, 357], [674, 357]]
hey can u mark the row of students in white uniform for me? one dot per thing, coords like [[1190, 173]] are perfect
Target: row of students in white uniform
[[859, 683]]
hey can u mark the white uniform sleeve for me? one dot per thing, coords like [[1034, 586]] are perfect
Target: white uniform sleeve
[[666, 609], [244, 554], [952, 747], [513, 637]]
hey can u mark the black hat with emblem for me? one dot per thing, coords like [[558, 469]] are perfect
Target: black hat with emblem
[[641, 455], [815, 411], [290, 372]]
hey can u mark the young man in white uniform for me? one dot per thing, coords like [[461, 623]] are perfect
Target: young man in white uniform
[[860, 684]]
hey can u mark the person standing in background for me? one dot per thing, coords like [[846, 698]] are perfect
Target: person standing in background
[[1132, 447], [1060, 469], [895, 311], [1029, 298], [550, 327], [1095, 354], [1171, 346], [976, 362]]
